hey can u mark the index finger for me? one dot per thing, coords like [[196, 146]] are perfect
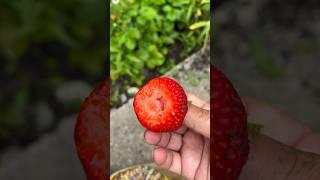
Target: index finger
[[198, 101], [198, 119]]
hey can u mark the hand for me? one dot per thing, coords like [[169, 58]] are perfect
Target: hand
[[285, 150], [187, 150]]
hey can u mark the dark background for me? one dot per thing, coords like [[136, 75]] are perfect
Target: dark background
[[52, 53], [270, 50], [46, 45]]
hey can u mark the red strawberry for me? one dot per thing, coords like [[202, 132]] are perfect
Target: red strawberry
[[161, 105], [230, 136], [91, 133]]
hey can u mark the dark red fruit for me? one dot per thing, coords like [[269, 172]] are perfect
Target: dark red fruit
[[230, 136], [161, 105], [91, 133]]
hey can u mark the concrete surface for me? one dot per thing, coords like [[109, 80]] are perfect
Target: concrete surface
[[53, 157], [127, 144]]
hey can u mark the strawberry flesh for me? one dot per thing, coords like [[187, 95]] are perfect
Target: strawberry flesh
[[161, 105]]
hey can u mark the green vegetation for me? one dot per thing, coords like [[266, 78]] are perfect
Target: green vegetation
[[150, 37], [42, 45], [77, 25]]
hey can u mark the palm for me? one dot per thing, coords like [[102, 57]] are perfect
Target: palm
[[187, 150], [184, 152]]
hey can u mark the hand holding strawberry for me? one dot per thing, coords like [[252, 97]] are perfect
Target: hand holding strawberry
[[183, 143], [185, 151]]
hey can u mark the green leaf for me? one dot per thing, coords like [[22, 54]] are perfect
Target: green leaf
[[199, 25], [141, 21], [205, 1], [148, 13], [138, 63], [173, 15], [167, 8], [114, 49], [179, 3], [130, 44], [134, 33]]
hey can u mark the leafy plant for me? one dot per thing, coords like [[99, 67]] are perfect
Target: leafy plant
[[203, 24], [143, 32], [72, 23]]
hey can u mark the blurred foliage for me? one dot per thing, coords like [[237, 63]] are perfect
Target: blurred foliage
[[74, 24], [205, 25], [42, 45], [143, 32], [264, 60]]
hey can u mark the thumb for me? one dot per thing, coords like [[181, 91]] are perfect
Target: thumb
[[198, 119]]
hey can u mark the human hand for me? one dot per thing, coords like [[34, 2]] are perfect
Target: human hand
[[187, 150], [284, 150]]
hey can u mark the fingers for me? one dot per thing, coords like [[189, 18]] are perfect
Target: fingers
[[182, 129], [198, 102], [191, 153], [203, 169], [167, 159], [172, 141], [310, 143], [198, 119], [268, 156]]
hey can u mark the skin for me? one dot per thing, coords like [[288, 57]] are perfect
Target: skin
[[285, 149]]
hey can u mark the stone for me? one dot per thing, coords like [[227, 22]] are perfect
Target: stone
[[123, 98], [132, 90]]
